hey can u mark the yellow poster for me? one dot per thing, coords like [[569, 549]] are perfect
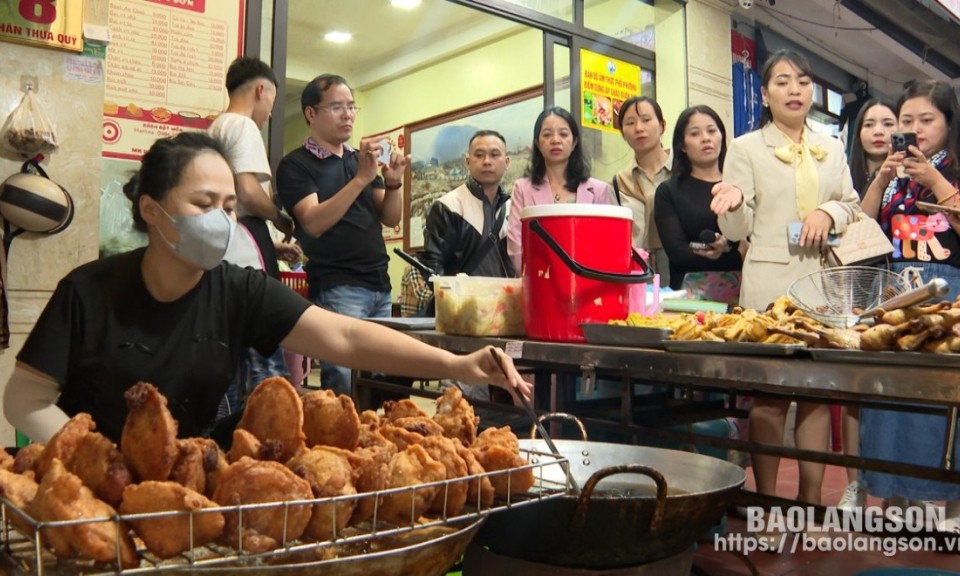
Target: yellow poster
[[50, 23], [165, 69], [605, 83]]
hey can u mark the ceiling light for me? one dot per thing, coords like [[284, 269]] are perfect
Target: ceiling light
[[405, 4], [338, 37]]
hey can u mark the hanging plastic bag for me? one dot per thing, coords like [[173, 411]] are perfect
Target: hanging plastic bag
[[28, 131]]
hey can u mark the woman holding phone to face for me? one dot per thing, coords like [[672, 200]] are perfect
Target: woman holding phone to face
[[927, 241], [782, 173]]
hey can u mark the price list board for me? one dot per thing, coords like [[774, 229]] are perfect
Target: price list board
[[165, 69]]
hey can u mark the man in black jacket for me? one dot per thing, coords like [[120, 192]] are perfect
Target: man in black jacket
[[465, 229]]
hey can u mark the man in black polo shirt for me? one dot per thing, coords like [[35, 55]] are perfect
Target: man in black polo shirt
[[339, 204]]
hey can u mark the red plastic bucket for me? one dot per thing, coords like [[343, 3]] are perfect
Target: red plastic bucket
[[577, 267]]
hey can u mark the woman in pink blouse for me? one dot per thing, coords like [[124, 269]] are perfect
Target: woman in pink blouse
[[558, 173]]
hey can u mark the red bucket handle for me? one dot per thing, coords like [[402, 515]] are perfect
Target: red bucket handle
[[587, 272]]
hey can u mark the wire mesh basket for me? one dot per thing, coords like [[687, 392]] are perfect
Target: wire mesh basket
[[839, 296]]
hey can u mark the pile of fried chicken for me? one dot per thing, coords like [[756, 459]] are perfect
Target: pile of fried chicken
[[286, 448], [932, 328]]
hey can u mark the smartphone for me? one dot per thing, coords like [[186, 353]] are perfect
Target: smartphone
[[795, 228], [933, 208], [699, 246], [900, 141], [385, 149]]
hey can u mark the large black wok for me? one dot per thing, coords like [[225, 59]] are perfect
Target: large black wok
[[637, 505]]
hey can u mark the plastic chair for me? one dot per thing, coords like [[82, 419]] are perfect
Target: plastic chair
[[297, 281]]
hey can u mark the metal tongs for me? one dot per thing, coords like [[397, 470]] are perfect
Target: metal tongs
[[528, 406]]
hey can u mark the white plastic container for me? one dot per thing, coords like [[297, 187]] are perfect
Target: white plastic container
[[479, 306]]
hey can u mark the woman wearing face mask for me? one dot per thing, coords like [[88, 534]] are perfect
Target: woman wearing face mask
[[642, 127], [701, 259], [172, 314], [930, 174], [868, 149], [782, 173], [558, 174], [870, 142]]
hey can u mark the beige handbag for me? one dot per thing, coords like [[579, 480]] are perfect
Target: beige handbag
[[862, 242]]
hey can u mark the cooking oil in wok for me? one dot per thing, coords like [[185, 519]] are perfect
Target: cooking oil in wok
[[627, 489]]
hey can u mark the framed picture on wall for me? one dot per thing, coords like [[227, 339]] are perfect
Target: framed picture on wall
[[438, 147]]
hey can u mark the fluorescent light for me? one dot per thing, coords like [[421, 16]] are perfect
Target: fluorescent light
[[338, 36], [405, 4]]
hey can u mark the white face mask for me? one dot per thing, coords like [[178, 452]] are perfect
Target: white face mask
[[204, 238]]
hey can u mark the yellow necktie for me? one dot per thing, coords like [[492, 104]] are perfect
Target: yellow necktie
[[802, 157]]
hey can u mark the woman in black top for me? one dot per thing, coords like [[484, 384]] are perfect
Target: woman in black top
[[870, 142], [175, 315], [688, 229]]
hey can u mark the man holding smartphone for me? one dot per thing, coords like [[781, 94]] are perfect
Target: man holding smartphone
[[340, 204]]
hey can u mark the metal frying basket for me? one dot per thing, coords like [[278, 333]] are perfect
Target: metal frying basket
[[839, 296]]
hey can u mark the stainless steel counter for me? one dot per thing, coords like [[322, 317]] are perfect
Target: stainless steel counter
[[923, 388]]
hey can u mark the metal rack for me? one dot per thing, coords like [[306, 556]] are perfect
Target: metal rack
[[25, 553]]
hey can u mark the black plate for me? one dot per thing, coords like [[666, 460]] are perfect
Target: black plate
[[733, 348], [896, 358], [630, 336]]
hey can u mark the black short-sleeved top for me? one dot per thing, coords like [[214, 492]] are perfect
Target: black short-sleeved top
[[682, 211], [351, 252], [102, 332]]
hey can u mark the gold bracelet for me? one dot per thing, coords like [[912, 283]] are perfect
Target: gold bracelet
[[948, 198]]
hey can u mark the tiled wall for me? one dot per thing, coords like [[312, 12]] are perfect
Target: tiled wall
[[35, 262]]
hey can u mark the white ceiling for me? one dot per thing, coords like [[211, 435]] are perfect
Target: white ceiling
[[389, 41]]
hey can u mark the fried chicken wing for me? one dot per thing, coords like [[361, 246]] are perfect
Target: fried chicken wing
[[63, 444], [406, 408], [198, 457], [452, 497], [499, 449], [62, 496], [370, 466], [400, 436], [329, 473], [149, 437], [20, 490], [456, 416], [169, 535], [6, 460], [330, 420], [411, 467], [246, 444], [480, 491], [249, 481], [100, 466], [369, 417], [419, 424], [274, 413], [28, 458]]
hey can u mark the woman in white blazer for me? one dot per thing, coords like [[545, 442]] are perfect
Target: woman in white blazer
[[558, 173], [782, 173]]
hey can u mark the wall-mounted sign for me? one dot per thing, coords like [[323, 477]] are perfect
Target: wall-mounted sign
[[605, 83], [49, 23], [165, 69]]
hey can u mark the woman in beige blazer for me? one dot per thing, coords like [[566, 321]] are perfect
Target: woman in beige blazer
[[782, 173]]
